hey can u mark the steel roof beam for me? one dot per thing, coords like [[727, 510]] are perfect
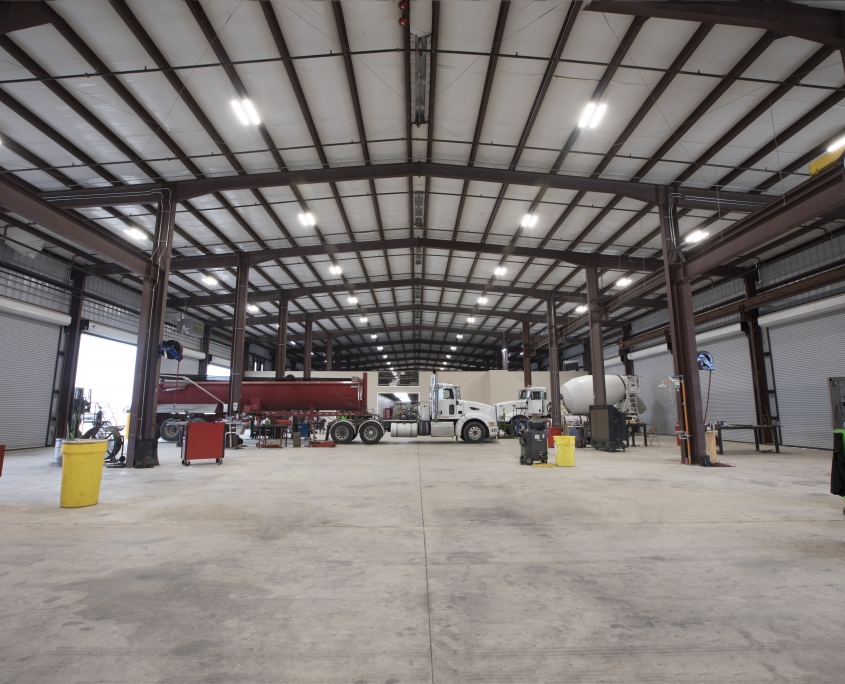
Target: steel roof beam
[[785, 18]]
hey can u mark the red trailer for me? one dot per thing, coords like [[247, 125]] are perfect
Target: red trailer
[[328, 398]]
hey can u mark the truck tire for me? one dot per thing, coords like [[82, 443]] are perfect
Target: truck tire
[[342, 432], [169, 430], [371, 432], [474, 432]]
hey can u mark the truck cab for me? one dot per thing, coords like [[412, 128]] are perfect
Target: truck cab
[[450, 415], [531, 402]]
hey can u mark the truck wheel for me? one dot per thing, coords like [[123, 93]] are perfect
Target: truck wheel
[[342, 433], [169, 430], [371, 432], [474, 433]]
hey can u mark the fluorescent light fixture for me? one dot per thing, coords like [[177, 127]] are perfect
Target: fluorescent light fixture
[[471, 319], [454, 348], [241, 112], [379, 348], [352, 300], [591, 115], [696, 236], [448, 356], [293, 344], [388, 363], [460, 337], [136, 234], [581, 308], [837, 145], [208, 280], [623, 282], [249, 108], [251, 307], [500, 271], [306, 218], [363, 319], [384, 356], [335, 270], [373, 337], [482, 300], [529, 220]]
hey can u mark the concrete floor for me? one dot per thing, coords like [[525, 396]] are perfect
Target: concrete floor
[[426, 561]]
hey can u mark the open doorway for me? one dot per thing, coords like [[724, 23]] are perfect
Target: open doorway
[[106, 368]]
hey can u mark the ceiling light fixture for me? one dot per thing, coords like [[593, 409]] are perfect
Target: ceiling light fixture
[[482, 300], [208, 280], [592, 115], [448, 356], [836, 145], [251, 308], [581, 308], [306, 218], [136, 234], [471, 319], [500, 271], [529, 220], [460, 337], [379, 348], [352, 300], [335, 269], [454, 348], [384, 356], [373, 337], [623, 282], [245, 111], [696, 236], [363, 319]]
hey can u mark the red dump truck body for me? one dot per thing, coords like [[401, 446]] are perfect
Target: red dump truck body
[[285, 397]]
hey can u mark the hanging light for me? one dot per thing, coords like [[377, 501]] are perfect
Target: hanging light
[[592, 115], [352, 300], [500, 271], [471, 319], [373, 337], [136, 234], [696, 236], [581, 308], [459, 336], [454, 348], [379, 348], [334, 269], [245, 111], [623, 282], [363, 319], [252, 308], [384, 356], [529, 221], [306, 218], [482, 300], [448, 356], [209, 280]]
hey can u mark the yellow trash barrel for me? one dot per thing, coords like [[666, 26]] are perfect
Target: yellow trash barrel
[[82, 470], [565, 445]]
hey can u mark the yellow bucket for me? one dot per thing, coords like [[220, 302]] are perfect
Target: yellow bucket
[[82, 470], [565, 445]]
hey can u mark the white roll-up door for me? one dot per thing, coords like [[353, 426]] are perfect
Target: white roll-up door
[[652, 371], [27, 368], [805, 353], [732, 387]]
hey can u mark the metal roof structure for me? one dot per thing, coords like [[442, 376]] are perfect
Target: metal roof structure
[[405, 179]]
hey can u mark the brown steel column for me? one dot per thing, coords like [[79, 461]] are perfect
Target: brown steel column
[[202, 368], [142, 420], [329, 341], [759, 376], [596, 342], [554, 362], [238, 335], [526, 353], [306, 347], [282, 339], [684, 351], [71, 360]]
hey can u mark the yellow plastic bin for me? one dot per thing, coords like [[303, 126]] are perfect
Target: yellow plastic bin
[[82, 470], [565, 445]]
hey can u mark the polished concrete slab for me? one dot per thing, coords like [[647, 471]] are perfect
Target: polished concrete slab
[[426, 561]]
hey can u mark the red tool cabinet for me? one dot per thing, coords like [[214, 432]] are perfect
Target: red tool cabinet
[[202, 441]]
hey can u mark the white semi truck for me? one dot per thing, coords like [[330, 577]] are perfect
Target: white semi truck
[[447, 415]]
